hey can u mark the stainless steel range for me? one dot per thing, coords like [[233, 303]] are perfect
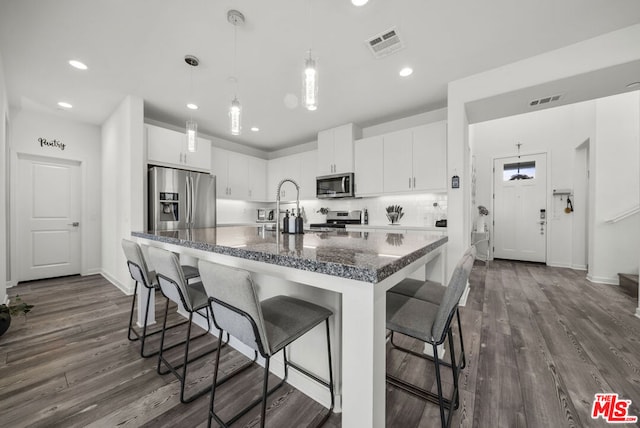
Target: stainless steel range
[[339, 220]]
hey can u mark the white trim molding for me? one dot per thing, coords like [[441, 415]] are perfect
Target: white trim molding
[[124, 288], [603, 279]]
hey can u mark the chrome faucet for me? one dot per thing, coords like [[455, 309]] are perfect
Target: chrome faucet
[[278, 202]]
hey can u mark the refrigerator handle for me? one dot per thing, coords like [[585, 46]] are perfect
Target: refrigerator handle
[[188, 201], [192, 205]]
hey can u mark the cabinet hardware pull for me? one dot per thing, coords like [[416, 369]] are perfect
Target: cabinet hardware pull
[[409, 182], [414, 182]]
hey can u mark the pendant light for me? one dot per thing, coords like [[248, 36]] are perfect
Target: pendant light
[[235, 109], [310, 76], [192, 125]]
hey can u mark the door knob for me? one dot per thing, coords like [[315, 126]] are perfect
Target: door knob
[[74, 224]]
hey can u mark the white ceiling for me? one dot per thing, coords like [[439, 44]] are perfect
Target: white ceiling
[[136, 47]]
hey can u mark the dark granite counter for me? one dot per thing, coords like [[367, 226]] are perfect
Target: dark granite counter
[[363, 256]]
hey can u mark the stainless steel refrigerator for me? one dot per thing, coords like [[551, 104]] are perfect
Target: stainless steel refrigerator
[[180, 199]]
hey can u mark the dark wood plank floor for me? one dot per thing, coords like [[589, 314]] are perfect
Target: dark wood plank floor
[[540, 343]]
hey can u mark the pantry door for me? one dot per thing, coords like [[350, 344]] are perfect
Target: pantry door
[[520, 186], [48, 223]]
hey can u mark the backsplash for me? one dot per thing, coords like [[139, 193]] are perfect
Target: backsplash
[[418, 209]]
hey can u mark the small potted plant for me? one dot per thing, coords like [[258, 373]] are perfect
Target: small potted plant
[[481, 224], [7, 311]]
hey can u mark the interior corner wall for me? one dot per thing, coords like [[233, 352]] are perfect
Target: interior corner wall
[[122, 186], [557, 132], [82, 143], [617, 47], [616, 186], [4, 163]]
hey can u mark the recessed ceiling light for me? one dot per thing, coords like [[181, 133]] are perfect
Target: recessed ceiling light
[[359, 2], [405, 72], [633, 85], [64, 105], [192, 106], [77, 64], [255, 128]]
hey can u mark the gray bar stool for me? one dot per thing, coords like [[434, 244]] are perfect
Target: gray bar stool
[[433, 292], [174, 286], [431, 323], [142, 275], [267, 326]]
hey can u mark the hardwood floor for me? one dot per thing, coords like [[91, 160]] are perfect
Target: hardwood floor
[[540, 342]]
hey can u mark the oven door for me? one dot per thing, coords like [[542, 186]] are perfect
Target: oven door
[[334, 186]]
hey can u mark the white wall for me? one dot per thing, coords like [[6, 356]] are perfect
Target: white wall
[[82, 143], [123, 179], [616, 151], [4, 163], [610, 49], [557, 132]]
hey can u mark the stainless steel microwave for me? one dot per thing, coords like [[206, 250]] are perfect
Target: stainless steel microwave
[[335, 186]]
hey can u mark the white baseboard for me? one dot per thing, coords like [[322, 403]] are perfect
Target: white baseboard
[[603, 279], [11, 284], [579, 267], [299, 381], [94, 271], [465, 294], [568, 266], [124, 288], [6, 299], [638, 312]]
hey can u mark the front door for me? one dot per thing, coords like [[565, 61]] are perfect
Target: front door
[[48, 207], [519, 205]]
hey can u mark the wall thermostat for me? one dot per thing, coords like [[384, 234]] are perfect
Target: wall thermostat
[[455, 182]]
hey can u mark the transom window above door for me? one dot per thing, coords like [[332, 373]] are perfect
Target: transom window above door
[[519, 171]]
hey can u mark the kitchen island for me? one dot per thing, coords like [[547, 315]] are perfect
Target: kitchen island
[[349, 272]]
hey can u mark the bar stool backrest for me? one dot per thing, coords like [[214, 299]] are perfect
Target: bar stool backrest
[[137, 264], [452, 295], [234, 303], [170, 275]]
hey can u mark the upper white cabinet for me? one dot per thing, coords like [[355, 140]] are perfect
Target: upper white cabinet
[[369, 164], [335, 149], [168, 148], [430, 156], [299, 167], [257, 179], [416, 159]]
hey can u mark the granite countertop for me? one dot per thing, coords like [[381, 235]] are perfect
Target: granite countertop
[[363, 256]]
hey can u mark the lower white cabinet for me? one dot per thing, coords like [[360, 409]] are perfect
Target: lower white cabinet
[[166, 147]]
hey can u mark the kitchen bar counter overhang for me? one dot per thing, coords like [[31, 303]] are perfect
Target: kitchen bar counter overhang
[[362, 256], [349, 272]]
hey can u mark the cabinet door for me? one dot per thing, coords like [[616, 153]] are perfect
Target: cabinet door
[[257, 179], [369, 166], [325, 152], [238, 176], [343, 149], [201, 158], [308, 164], [219, 168], [430, 156], [275, 168], [164, 146], [398, 175]]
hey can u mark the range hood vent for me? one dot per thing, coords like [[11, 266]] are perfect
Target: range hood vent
[[544, 100], [385, 43]]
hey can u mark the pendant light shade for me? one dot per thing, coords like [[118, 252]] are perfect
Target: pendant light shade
[[192, 136], [235, 117], [310, 83]]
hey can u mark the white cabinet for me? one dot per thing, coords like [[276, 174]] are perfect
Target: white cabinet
[[239, 176], [369, 166], [257, 179], [300, 167], [168, 148], [415, 159], [232, 174], [335, 149], [430, 156], [398, 161]]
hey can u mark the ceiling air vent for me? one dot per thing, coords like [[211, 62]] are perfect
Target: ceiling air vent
[[544, 100], [385, 43]]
